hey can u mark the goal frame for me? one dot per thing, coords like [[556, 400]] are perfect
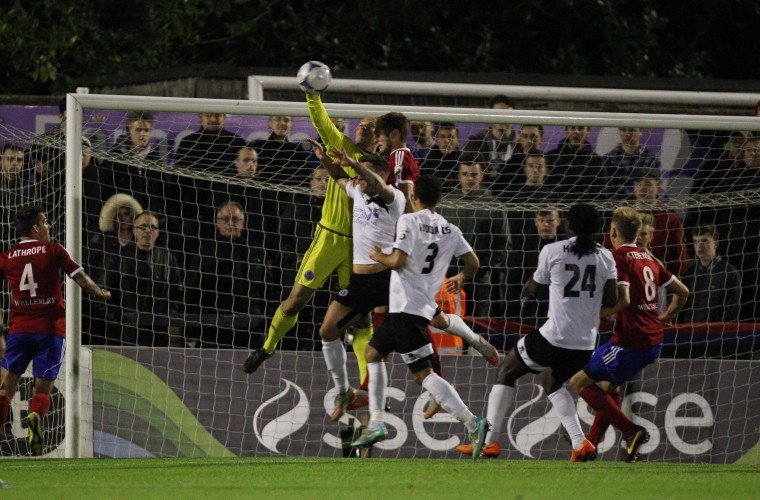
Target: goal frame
[[77, 103]]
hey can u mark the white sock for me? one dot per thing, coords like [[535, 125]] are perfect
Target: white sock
[[459, 328], [564, 403], [449, 399], [499, 401], [378, 379], [335, 359]]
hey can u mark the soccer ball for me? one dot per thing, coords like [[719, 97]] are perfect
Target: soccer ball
[[314, 76]]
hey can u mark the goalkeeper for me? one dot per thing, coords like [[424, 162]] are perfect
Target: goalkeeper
[[331, 248]]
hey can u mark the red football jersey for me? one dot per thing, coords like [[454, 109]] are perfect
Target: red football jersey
[[33, 270], [403, 166], [638, 326]]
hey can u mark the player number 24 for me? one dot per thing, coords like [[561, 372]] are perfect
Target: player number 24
[[587, 279]]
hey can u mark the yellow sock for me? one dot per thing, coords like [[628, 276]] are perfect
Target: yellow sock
[[280, 325], [362, 336]]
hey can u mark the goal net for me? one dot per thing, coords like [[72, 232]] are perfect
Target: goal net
[[196, 213]]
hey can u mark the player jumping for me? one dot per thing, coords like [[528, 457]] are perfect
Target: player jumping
[[425, 243]]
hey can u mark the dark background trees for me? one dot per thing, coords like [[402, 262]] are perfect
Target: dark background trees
[[52, 46]]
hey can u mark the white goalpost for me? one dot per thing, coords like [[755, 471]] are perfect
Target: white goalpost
[[188, 396]]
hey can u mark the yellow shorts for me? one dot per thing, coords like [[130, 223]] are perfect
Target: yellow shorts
[[329, 251]]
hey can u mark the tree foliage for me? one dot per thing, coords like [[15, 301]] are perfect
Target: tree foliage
[[50, 46]]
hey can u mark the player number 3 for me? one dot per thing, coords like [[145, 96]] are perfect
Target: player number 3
[[430, 259]]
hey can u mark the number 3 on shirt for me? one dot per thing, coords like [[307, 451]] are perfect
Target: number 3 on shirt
[[430, 259], [588, 282], [27, 281]]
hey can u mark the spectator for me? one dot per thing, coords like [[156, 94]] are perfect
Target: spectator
[[486, 228], [201, 196], [710, 177], [498, 143], [115, 224], [14, 190], [523, 260], [718, 176], [442, 160], [280, 160], [137, 167], [95, 189], [246, 163], [212, 148], [533, 188], [668, 242], [623, 158], [47, 151], [742, 223], [529, 138], [715, 284], [225, 281], [48, 188], [148, 290], [575, 171], [422, 133]]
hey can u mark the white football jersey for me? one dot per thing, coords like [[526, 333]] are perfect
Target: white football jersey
[[374, 221], [576, 286], [429, 241]]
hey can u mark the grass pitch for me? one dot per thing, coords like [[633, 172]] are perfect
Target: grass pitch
[[372, 478]]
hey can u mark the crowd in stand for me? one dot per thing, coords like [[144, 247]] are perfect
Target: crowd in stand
[[197, 259]]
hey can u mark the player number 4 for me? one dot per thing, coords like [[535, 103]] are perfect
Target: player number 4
[[27, 281]]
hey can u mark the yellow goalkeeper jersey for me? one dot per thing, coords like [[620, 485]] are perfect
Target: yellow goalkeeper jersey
[[336, 209]]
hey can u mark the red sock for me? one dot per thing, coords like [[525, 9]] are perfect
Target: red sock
[[616, 398], [598, 428], [377, 320], [40, 404], [5, 408], [600, 425], [605, 406]]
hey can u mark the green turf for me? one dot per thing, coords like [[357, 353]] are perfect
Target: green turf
[[371, 478]]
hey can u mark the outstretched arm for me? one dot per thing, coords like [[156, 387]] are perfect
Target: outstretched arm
[[334, 169], [88, 286], [374, 181]]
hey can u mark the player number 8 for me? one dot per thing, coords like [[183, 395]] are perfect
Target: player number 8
[[650, 289]]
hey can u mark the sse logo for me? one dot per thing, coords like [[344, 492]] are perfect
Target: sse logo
[[13, 440]]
